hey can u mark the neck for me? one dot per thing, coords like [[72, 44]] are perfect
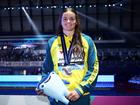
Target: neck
[[68, 33]]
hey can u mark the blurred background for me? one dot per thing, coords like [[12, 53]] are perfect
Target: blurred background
[[114, 25]]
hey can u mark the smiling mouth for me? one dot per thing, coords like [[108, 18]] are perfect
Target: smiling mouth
[[68, 25]]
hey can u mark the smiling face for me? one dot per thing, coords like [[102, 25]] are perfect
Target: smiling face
[[68, 21]]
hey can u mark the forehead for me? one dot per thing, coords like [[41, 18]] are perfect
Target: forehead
[[68, 14]]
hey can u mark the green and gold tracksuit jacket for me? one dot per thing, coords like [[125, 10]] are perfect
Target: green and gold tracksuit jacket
[[78, 75]]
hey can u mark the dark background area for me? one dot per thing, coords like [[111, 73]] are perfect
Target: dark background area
[[101, 19]]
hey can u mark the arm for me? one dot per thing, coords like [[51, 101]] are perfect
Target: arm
[[90, 78], [48, 64], [47, 67]]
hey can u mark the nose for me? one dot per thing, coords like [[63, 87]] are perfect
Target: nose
[[68, 20]]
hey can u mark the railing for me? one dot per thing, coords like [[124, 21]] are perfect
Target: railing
[[21, 63], [103, 81]]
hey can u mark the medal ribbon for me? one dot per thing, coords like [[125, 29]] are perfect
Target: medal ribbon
[[67, 54]]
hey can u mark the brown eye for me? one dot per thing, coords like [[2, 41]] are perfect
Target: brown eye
[[72, 18], [65, 19]]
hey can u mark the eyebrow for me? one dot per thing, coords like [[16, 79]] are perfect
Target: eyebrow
[[70, 17]]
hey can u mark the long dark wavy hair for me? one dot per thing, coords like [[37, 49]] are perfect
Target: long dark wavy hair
[[77, 47]]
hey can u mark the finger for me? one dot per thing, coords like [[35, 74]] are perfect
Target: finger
[[44, 94], [39, 92], [71, 97]]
